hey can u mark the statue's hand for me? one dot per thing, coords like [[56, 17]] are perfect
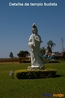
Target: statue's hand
[[33, 45]]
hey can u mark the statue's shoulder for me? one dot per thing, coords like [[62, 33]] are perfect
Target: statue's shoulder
[[31, 36]]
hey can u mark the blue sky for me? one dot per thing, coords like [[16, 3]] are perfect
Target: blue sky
[[16, 25]]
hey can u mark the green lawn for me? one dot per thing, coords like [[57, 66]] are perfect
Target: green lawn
[[31, 88]]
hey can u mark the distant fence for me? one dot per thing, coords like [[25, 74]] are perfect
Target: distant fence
[[2, 60]]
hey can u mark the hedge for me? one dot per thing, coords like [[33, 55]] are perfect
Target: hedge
[[53, 61], [33, 74], [20, 60]]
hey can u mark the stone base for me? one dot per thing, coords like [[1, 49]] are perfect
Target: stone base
[[35, 68]]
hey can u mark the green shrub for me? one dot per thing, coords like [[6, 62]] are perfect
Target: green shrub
[[53, 61], [33, 74], [26, 61]]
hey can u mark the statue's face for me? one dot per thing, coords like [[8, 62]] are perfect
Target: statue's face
[[34, 30]]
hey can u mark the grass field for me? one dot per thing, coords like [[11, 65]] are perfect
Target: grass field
[[31, 88]]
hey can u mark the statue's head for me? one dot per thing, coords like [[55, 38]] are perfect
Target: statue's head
[[34, 29]]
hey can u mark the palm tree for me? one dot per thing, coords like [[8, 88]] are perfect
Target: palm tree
[[50, 44]]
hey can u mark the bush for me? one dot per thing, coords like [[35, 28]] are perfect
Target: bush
[[53, 61], [26, 61], [33, 74]]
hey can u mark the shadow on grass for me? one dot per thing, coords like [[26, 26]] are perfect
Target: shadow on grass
[[58, 76]]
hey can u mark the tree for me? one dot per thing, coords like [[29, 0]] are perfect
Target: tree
[[63, 55], [50, 44], [49, 49], [42, 50], [22, 53], [11, 55]]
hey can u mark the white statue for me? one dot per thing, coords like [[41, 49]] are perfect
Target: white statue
[[34, 45]]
